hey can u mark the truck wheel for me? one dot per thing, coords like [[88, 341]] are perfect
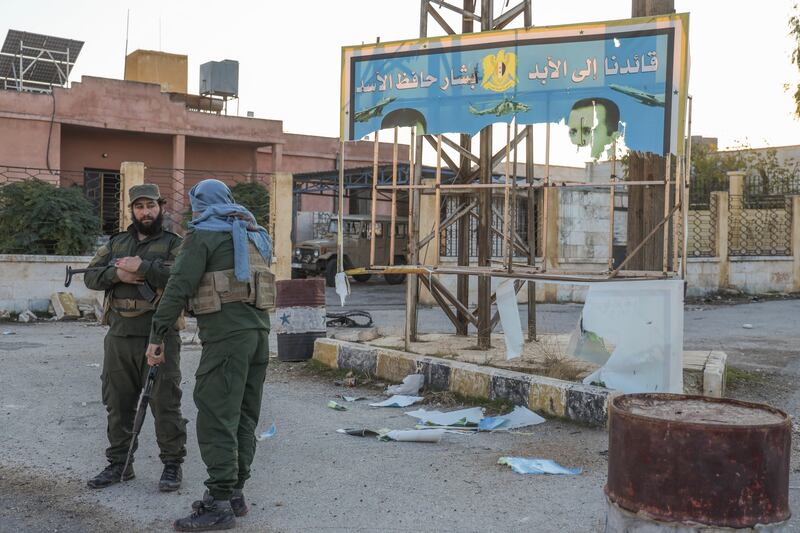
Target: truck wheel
[[396, 279], [330, 272], [362, 278]]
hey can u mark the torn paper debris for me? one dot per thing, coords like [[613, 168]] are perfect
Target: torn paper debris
[[642, 322], [521, 465], [352, 398], [268, 434], [461, 417], [411, 385], [359, 432], [337, 407], [342, 287], [398, 401], [414, 435], [509, 318], [520, 417]]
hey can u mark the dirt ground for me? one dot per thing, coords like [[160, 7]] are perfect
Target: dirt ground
[[52, 436]]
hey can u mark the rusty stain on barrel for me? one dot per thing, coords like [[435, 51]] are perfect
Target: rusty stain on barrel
[[299, 317], [692, 459]]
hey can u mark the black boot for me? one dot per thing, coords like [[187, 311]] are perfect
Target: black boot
[[208, 515], [110, 476], [238, 505], [171, 477]]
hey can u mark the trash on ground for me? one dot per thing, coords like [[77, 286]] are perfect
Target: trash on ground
[[414, 435], [411, 385], [9, 333], [747, 326], [94, 365], [268, 434], [398, 401], [336, 406], [352, 398], [521, 465], [349, 319], [359, 432], [520, 417], [462, 417], [26, 316]]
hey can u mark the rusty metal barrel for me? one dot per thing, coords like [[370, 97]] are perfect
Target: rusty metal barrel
[[697, 460], [299, 317]]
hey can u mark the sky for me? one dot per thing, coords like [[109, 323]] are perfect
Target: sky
[[289, 53]]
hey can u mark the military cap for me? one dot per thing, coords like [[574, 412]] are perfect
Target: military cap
[[146, 190]]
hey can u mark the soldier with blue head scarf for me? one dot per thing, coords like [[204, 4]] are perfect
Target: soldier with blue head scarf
[[222, 273]]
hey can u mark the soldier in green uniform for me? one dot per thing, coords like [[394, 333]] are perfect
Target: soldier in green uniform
[[223, 274], [134, 259]]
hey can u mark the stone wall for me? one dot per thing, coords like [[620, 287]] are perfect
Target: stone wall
[[28, 281]]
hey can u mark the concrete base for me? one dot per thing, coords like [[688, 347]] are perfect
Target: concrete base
[[618, 520], [585, 404], [704, 372]]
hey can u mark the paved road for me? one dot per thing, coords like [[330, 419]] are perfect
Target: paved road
[[52, 432]]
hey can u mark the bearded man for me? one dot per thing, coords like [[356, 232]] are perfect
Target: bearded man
[[140, 256]]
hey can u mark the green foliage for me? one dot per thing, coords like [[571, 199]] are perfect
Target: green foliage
[[776, 177], [39, 218], [794, 31], [254, 197]]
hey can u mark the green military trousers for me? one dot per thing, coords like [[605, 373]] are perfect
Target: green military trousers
[[228, 390], [124, 375]]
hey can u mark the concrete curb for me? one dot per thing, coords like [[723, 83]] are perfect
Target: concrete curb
[[585, 404]]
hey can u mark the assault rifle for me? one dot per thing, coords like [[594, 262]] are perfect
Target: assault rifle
[[145, 289], [140, 412]]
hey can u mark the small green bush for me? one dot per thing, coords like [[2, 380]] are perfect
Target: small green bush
[[39, 218]]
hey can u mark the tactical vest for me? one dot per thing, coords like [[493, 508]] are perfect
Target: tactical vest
[[133, 307], [217, 288]]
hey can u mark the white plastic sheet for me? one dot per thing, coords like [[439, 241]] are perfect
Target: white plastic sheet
[[643, 322], [411, 385], [522, 465], [398, 401], [520, 417], [342, 286], [472, 416], [509, 318]]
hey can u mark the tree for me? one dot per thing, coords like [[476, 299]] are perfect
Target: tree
[[39, 218], [254, 197], [794, 31]]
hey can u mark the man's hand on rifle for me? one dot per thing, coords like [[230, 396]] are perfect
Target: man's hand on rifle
[[155, 354], [129, 277], [129, 264]]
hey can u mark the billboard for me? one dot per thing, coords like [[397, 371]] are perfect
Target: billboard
[[606, 80]]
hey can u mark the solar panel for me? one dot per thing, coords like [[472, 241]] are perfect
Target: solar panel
[[39, 40], [36, 59]]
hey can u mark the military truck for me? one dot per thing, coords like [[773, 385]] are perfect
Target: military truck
[[318, 256]]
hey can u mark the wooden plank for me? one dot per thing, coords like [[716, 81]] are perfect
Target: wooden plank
[[374, 207]]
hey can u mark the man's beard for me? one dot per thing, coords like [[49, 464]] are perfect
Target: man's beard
[[153, 228]]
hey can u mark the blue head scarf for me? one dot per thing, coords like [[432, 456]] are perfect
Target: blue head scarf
[[218, 212]]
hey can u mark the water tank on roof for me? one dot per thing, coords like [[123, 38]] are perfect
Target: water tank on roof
[[220, 78]]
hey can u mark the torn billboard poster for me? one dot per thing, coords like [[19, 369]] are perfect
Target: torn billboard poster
[[605, 80], [640, 325]]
